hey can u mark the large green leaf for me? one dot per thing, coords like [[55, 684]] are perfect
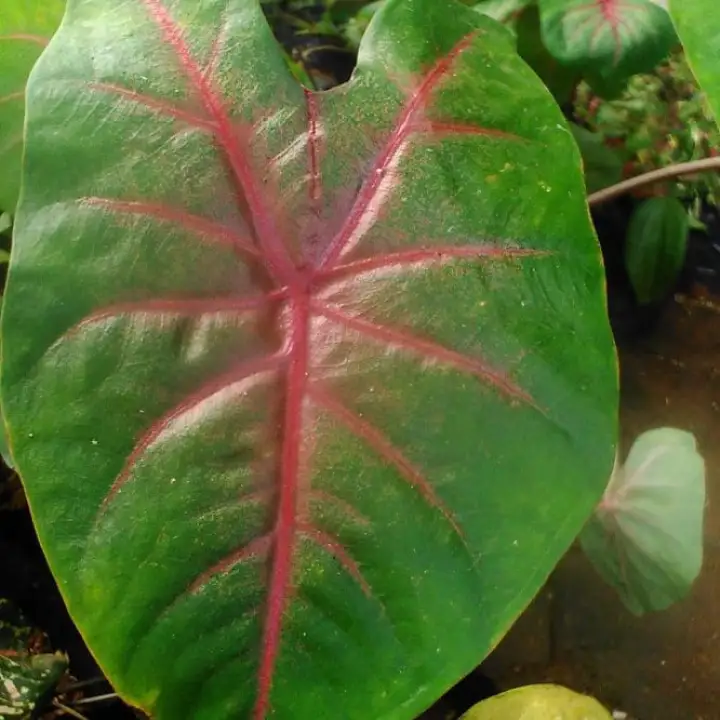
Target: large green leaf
[[538, 702], [608, 39], [308, 391], [646, 536], [698, 25], [25, 28]]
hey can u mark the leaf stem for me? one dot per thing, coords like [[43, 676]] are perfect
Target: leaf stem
[[96, 698], [648, 178], [68, 710], [84, 683]]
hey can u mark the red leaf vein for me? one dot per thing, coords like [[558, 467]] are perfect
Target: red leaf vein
[[216, 51], [257, 547], [322, 496], [313, 141], [427, 256], [176, 306], [387, 451], [25, 37], [243, 371], [10, 97], [194, 223], [428, 350], [162, 106], [377, 185], [338, 551], [444, 128], [275, 254], [11, 141]]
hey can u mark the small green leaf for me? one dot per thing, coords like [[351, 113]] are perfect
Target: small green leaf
[[538, 702], [25, 28], [609, 39], [698, 24], [646, 536], [656, 246], [603, 165]]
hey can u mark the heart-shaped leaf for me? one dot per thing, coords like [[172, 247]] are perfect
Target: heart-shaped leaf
[[25, 29], [309, 392], [646, 536], [538, 702], [608, 39], [698, 25]]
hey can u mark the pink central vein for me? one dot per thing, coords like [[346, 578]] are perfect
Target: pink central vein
[[274, 251], [610, 12], [313, 141], [314, 173], [286, 523]]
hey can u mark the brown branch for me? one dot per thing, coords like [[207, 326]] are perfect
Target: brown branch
[[666, 173]]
